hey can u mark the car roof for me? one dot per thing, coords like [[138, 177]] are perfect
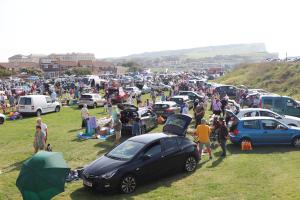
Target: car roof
[[255, 118], [254, 109], [166, 102], [180, 96], [34, 96], [149, 137]]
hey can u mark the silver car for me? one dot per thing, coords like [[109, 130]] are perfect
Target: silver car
[[91, 100]]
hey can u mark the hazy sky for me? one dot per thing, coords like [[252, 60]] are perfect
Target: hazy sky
[[111, 28]]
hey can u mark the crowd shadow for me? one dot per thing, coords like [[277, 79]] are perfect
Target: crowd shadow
[[13, 167], [266, 149]]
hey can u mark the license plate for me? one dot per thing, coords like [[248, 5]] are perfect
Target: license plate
[[87, 183]]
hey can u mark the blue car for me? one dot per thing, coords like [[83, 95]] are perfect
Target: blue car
[[263, 131]]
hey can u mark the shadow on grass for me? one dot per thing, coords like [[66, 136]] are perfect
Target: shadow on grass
[[74, 130], [235, 149], [13, 167], [144, 187]]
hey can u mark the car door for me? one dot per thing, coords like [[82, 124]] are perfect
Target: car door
[[171, 153], [252, 129], [49, 105], [278, 105], [275, 132], [152, 164]]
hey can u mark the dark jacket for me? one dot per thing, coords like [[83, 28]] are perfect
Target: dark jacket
[[223, 133]]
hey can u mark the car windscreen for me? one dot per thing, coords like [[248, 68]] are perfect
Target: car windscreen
[[84, 96], [160, 106], [25, 101], [126, 150]]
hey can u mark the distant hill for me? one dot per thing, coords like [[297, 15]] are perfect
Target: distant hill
[[278, 77], [203, 52]]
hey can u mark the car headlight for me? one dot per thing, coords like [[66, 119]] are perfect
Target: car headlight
[[110, 174]]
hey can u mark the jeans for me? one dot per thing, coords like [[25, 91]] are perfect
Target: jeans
[[223, 147]]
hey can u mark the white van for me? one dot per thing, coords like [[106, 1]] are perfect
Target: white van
[[37, 104], [93, 81]]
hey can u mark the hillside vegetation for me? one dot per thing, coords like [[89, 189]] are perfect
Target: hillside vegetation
[[281, 78]]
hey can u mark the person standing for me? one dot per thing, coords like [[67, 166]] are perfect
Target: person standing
[[185, 109], [84, 116], [39, 139], [2, 99], [136, 127], [53, 96], [199, 114], [11, 102], [222, 136], [43, 127], [117, 125], [216, 106], [202, 133]]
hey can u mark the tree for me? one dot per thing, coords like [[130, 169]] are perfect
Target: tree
[[79, 71], [133, 66]]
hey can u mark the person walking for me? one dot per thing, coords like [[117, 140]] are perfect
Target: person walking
[[39, 139], [43, 127], [202, 133], [117, 125], [199, 114], [84, 116], [222, 136], [216, 106]]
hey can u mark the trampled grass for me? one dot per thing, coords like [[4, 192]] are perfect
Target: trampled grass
[[264, 173]]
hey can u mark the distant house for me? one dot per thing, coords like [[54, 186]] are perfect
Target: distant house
[[85, 63], [50, 67], [100, 67], [66, 65]]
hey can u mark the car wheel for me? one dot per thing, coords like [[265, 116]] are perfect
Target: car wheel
[[57, 109], [95, 105], [128, 184], [296, 142], [1, 120], [38, 113], [190, 164]]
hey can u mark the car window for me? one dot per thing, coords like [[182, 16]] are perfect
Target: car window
[[251, 114], [153, 149], [268, 103], [269, 124], [290, 103], [278, 103], [125, 150], [170, 144], [25, 101], [48, 99], [267, 114], [251, 124], [161, 106]]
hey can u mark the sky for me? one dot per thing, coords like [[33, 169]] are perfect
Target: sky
[[113, 28]]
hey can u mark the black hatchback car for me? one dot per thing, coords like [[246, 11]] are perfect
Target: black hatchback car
[[144, 157]]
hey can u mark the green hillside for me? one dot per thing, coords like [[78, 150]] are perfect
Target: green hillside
[[281, 78]]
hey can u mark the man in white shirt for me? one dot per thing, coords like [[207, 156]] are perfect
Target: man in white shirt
[[43, 126], [84, 115]]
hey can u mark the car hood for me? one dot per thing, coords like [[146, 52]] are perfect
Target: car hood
[[102, 165], [292, 118]]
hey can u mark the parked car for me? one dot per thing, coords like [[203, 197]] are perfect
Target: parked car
[[227, 89], [37, 104], [181, 100], [259, 112], [192, 95], [133, 90], [91, 100], [280, 104], [166, 108], [264, 131], [130, 112], [146, 89], [144, 157], [160, 86], [2, 118]]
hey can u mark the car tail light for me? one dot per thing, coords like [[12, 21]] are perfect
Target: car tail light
[[236, 132], [169, 110], [32, 107]]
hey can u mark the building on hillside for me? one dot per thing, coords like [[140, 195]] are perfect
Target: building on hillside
[[73, 56], [101, 67], [85, 63], [50, 67], [19, 58]]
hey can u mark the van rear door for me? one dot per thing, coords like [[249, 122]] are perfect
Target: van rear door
[[24, 104]]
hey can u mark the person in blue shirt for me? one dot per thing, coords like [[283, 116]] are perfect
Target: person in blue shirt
[[136, 127]]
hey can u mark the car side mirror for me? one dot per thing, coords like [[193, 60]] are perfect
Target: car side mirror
[[146, 157]]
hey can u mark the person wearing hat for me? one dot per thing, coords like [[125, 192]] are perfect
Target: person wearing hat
[[222, 136], [202, 134]]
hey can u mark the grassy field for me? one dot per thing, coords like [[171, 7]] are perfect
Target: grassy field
[[264, 173], [279, 77]]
